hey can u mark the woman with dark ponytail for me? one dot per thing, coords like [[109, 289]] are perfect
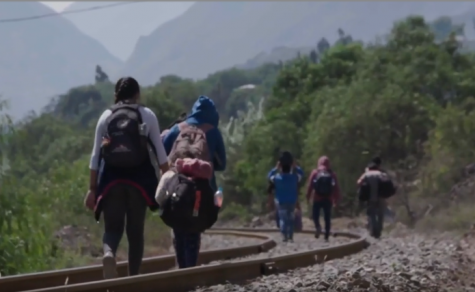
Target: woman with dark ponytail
[[126, 161]]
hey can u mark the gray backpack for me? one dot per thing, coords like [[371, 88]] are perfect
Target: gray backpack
[[191, 143]]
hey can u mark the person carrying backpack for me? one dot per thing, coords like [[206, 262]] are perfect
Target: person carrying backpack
[[323, 186], [298, 224], [286, 176], [129, 154], [375, 186], [195, 150]]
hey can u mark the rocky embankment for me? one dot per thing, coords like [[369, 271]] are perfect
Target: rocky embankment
[[400, 261]]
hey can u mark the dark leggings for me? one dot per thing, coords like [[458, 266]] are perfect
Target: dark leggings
[[187, 248], [326, 206], [125, 201], [375, 212]]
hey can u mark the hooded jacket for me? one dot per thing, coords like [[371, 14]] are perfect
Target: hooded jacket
[[203, 112], [323, 164], [286, 185]]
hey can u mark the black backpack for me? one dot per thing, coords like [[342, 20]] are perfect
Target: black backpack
[[187, 204], [126, 144], [323, 183], [386, 188], [364, 191]]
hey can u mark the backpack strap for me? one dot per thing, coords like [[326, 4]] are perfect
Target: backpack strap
[[130, 106]]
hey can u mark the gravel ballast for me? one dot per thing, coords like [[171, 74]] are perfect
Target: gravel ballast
[[401, 260], [301, 243]]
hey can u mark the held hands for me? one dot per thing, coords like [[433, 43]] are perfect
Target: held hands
[[90, 200], [271, 204], [278, 166], [297, 206]]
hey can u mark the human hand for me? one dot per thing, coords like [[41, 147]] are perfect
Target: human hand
[[90, 200], [271, 205]]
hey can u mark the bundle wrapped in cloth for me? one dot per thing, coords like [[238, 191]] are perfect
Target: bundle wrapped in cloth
[[194, 168]]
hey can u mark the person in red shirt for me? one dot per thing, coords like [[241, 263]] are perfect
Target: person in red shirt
[[323, 192]]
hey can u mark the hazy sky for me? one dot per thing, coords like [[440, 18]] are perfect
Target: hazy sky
[[57, 6]]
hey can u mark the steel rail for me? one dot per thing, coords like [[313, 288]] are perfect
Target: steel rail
[[149, 265], [232, 271]]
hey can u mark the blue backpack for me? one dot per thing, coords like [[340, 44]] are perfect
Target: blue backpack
[[323, 183]]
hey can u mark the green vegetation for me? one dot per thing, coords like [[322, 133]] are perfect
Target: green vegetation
[[409, 99], [48, 154]]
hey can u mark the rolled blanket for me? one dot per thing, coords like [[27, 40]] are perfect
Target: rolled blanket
[[163, 182], [194, 168], [190, 167]]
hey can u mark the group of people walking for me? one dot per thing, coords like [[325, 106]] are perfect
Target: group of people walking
[[134, 166], [323, 194], [128, 158]]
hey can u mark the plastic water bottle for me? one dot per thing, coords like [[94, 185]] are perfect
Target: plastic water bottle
[[218, 197]]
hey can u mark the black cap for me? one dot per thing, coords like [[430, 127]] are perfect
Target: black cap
[[376, 160]]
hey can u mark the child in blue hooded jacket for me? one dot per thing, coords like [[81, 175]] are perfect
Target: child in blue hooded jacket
[[187, 245], [286, 177]]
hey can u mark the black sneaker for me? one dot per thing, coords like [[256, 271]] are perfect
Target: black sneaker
[[317, 234]]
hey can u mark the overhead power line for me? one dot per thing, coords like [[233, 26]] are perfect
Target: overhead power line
[[54, 14]]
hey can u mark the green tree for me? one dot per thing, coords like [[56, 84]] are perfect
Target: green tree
[[313, 56], [322, 46]]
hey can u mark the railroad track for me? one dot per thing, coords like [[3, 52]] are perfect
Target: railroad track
[[158, 273]]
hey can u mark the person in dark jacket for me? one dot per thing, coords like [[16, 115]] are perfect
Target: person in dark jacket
[[187, 245], [376, 206], [123, 196], [325, 204]]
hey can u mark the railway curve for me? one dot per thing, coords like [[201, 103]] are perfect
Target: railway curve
[[158, 273]]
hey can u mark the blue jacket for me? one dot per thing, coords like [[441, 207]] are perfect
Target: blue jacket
[[203, 112], [286, 185]]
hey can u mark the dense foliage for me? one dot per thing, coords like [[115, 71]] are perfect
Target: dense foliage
[[407, 97]]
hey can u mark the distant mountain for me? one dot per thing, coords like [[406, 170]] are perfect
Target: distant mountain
[[211, 36], [467, 17], [118, 28], [43, 57], [275, 56]]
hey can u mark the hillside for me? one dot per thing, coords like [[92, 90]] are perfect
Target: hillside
[[44, 57], [118, 28], [467, 18], [276, 55], [214, 35]]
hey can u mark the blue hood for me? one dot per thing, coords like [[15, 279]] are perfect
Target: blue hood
[[204, 112]]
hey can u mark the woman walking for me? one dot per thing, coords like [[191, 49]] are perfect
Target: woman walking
[[124, 168]]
